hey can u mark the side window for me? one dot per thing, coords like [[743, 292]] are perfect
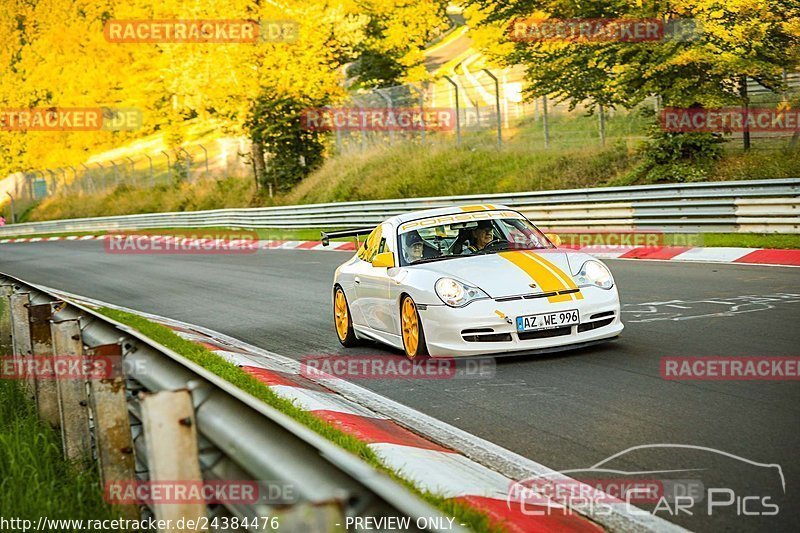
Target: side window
[[370, 248]]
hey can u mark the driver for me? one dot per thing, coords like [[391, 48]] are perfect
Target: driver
[[413, 247], [481, 236]]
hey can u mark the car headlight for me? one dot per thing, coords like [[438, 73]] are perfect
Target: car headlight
[[457, 294], [594, 273]]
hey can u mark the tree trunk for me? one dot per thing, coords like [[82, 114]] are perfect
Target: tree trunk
[[746, 107], [259, 167]]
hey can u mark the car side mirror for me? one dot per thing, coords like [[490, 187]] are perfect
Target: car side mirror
[[385, 259], [554, 238]]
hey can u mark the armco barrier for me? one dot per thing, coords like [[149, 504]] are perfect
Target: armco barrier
[[164, 419], [736, 206]]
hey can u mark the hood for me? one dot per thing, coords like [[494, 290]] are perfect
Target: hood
[[511, 273]]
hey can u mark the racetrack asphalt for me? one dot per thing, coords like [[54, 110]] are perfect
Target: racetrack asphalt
[[566, 411]]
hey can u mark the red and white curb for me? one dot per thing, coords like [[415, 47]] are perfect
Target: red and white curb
[[437, 457], [754, 256], [759, 256]]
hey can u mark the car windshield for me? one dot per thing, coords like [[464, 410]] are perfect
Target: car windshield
[[449, 237]]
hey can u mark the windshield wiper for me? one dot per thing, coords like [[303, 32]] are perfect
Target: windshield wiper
[[432, 259]]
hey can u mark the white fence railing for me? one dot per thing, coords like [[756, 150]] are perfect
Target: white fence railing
[[753, 206]]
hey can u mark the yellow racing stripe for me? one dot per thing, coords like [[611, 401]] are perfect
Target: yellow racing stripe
[[565, 278], [545, 278]]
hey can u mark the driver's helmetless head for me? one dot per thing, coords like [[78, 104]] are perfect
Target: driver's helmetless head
[[483, 233]]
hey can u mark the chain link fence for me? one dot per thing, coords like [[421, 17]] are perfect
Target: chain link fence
[[490, 108], [224, 157], [487, 108]]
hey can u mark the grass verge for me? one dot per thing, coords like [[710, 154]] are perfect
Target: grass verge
[[35, 480], [464, 514]]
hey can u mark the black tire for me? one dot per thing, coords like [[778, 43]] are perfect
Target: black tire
[[421, 351], [349, 340]]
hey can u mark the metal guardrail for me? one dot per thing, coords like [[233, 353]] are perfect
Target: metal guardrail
[[734, 206], [164, 419]]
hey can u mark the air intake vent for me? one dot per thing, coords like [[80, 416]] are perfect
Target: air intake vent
[[594, 325], [545, 333]]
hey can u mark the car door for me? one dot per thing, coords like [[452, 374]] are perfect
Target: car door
[[372, 284]]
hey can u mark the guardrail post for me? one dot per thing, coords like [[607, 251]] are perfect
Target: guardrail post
[[72, 399], [42, 347], [168, 418], [112, 429], [21, 337]]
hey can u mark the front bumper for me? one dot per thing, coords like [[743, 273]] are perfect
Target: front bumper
[[445, 326]]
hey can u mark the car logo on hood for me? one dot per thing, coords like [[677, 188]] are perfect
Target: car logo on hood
[[532, 285]]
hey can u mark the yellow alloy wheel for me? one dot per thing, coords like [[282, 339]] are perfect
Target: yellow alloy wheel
[[410, 327], [341, 317]]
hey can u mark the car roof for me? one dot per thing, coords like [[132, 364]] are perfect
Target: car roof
[[441, 211]]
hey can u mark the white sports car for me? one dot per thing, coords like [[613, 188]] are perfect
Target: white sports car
[[470, 280]]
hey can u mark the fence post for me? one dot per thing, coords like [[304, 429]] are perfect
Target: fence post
[[205, 153], [421, 112], [103, 169], [601, 122], [458, 111], [133, 169], [72, 399], [363, 128], [42, 347], [188, 162], [169, 164], [112, 428], [388, 100], [21, 338], [497, 107], [545, 123], [150, 160], [745, 112], [116, 172], [168, 417]]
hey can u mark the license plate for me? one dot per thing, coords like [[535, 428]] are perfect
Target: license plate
[[547, 320]]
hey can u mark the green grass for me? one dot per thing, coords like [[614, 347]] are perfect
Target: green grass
[[35, 480], [755, 240], [233, 374]]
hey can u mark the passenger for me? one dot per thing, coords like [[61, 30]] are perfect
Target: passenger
[[413, 247]]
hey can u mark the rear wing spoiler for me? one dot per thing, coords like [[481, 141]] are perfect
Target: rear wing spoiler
[[327, 236]]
